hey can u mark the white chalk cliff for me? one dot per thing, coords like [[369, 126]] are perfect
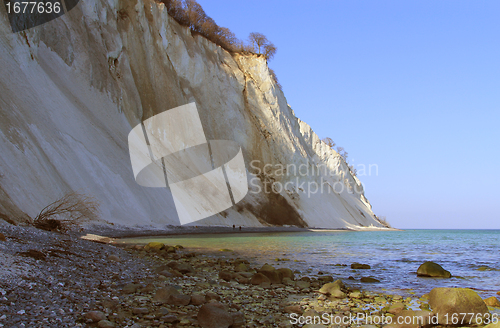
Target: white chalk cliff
[[73, 88]]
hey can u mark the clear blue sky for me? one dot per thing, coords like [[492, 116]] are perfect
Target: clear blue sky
[[412, 86]]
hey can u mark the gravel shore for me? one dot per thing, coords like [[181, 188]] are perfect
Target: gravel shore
[[50, 279]]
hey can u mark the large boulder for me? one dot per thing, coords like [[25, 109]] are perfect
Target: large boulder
[[214, 315], [286, 273], [450, 303], [411, 319], [431, 269]]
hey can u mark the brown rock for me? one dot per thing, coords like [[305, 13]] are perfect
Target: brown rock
[[162, 295], [113, 258], [140, 310], [225, 275], [325, 278], [241, 267], [359, 266], [105, 324], [214, 315], [446, 302], [302, 284], [259, 278], [369, 279], [130, 288], [238, 320], [2, 237], [293, 309], [274, 276], [492, 301], [95, 316], [431, 269], [179, 300], [286, 273], [209, 296], [197, 299]]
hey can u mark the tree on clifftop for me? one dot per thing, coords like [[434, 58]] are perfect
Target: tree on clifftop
[[261, 45]]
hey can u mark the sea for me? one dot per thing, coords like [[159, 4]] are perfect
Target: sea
[[472, 256]]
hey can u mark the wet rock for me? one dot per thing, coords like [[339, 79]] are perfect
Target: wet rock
[[95, 316], [214, 315], [325, 278], [492, 301], [259, 278], [431, 269], [162, 295], [369, 279], [359, 266], [446, 302]]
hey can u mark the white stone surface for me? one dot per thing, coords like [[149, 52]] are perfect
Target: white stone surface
[[73, 89]]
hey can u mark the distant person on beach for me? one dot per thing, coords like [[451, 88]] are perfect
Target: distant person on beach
[[234, 226], [240, 228]]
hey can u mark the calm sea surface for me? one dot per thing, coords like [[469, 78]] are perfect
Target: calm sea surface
[[472, 256]]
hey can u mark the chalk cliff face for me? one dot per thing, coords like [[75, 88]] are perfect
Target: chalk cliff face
[[72, 90]]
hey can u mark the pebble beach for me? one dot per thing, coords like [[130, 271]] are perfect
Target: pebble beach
[[49, 279]]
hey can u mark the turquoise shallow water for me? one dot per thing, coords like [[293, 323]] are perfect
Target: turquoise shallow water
[[393, 255]]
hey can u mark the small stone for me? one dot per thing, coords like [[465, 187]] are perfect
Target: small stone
[[302, 284], [225, 275], [492, 301], [95, 316], [105, 324], [214, 315], [113, 258], [155, 246], [130, 288], [197, 299], [162, 295], [396, 308], [293, 309], [369, 279], [141, 310], [179, 300], [359, 266], [328, 288], [171, 318], [238, 320], [2, 237], [325, 278]]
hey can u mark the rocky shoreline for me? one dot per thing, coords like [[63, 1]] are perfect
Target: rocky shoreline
[[50, 279]]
